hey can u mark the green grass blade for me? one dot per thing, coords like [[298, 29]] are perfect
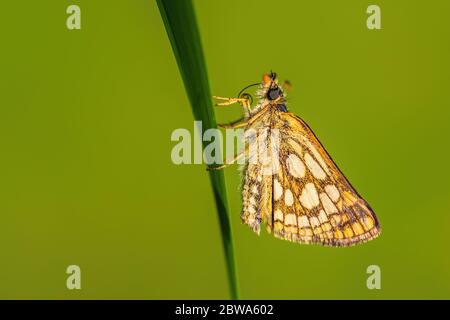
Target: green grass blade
[[181, 26]]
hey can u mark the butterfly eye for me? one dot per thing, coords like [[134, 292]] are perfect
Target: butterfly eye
[[273, 94]]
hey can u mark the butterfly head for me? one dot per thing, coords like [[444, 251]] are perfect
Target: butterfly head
[[272, 91]]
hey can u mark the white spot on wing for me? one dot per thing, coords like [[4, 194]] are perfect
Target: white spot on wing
[[314, 222], [309, 197], [278, 189], [278, 215], [322, 216], [328, 204], [288, 198], [298, 149], [291, 219], [303, 221], [332, 192], [295, 166], [314, 167], [317, 155]]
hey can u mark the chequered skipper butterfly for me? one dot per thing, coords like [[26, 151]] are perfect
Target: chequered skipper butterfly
[[305, 198]]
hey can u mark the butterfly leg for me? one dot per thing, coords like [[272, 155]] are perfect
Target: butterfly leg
[[244, 102], [240, 123], [228, 101], [227, 163]]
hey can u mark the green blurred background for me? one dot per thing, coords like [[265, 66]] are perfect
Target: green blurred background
[[86, 176]]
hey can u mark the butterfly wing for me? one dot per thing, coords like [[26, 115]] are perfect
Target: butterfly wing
[[256, 185], [307, 199]]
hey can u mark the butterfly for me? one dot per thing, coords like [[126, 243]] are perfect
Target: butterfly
[[290, 182]]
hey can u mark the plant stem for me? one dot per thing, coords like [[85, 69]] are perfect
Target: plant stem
[[181, 26]]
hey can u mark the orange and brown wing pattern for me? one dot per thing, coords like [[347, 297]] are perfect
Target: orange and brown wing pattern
[[256, 184], [307, 199]]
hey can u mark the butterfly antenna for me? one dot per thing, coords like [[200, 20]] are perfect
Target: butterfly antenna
[[247, 95]]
